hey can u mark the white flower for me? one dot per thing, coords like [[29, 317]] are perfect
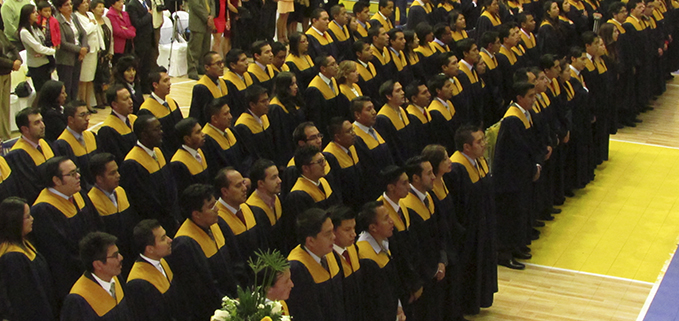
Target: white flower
[[261, 306], [220, 315], [276, 307], [286, 318]]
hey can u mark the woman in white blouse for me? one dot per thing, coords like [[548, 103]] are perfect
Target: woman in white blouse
[[34, 41], [95, 41]]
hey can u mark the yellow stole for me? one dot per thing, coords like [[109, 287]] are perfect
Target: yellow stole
[[570, 92], [144, 159], [658, 15], [398, 122], [440, 189], [475, 172], [636, 23], [400, 61], [601, 65], [459, 35], [77, 148], [529, 40], [118, 125], [276, 101], [255, 127], [147, 272], [438, 106], [589, 65], [327, 92], [5, 170], [386, 24], [284, 67], [241, 84], [413, 202], [324, 40], [566, 20], [554, 87], [236, 225], [363, 31], [577, 5], [302, 63], [438, 48], [471, 74], [261, 75], [63, 205], [158, 110], [541, 102], [618, 25], [366, 73], [366, 251], [104, 204], [399, 224], [495, 20], [346, 91], [353, 257], [413, 58], [342, 157], [516, 112], [208, 245], [28, 249], [519, 50], [578, 77], [457, 87], [368, 139], [314, 191], [491, 63], [384, 57], [509, 54], [316, 270], [425, 50], [427, 6], [272, 214], [99, 299], [37, 157], [184, 157], [342, 33], [424, 117], [225, 142], [216, 91]]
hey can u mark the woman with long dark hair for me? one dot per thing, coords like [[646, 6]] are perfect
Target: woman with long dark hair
[[73, 47], [299, 61], [51, 100], [25, 280], [551, 36], [125, 73], [609, 34], [284, 113], [33, 40]]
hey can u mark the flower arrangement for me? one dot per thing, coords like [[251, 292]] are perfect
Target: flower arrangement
[[251, 304]]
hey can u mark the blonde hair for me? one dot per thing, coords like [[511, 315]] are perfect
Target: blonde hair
[[345, 68]]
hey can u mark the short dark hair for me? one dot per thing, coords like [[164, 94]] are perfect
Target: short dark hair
[[336, 9], [392, 34], [42, 4], [505, 29], [154, 76], [340, 213], [435, 154], [304, 155], [112, 92], [522, 17], [277, 47], [422, 30], [59, 3], [413, 166], [588, 37], [51, 169], [463, 135], [214, 107], [632, 4], [184, 127], [358, 45], [443, 59], [522, 88], [258, 171], [316, 14], [310, 223], [193, 198], [464, 45], [335, 126], [575, 52], [232, 57], [373, 32], [437, 83], [520, 75], [322, 61], [142, 123], [357, 104], [12, 220], [143, 234], [94, 247], [615, 7], [439, 30], [207, 57], [368, 215], [222, 178], [488, 38], [98, 163], [390, 175], [253, 93], [71, 108], [386, 89], [298, 134], [383, 4], [21, 118], [547, 6], [413, 89], [360, 5], [547, 61], [257, 46]]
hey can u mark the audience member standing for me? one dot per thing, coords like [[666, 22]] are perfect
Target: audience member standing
[[37, 54], [95, 42], [125, 74], [201, 23], [123, 30], [10, 18], [73, 47], [9, 61], [102, 75], [142, 20]]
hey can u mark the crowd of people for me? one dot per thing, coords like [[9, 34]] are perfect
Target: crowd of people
[[395, 160]]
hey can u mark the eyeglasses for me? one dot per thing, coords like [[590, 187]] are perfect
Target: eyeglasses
[[220, 63], [115, 255], [319, 162], [84, 114], [74, 173], [315, 137]]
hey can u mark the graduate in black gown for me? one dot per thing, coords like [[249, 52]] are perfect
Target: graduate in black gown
[[339, 31], [189, 165], [368, 79], [315, 270], [223, 146], [264, 200], [261, 71], [444, 119], [76, 142], [400, 67], [237, 80], [63, 215], [98, 294], [381, 58], [304, 134], [151, 287], [253, 125], [285, 114], [468, 54], [112, 204], [526, 21], [9, 186], [144, 173], [420, 11], [209, 87], [449, 66], [344, 227], [508, 61], [419, 98], [25, 278], [322, 95], [201, 260], [299, 61], [115, 135], [551, 36], [320, 41], [165, 109], [490, 17], [494, 103], [393, 124], [344, 162], [28, 154]]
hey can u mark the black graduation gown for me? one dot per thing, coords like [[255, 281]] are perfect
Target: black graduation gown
[[470, 82], [317, 294], [9, 186], [202, 269], [118, 221], [261, 77], [283, 122], [256, 136], [342, 40], [321, 103], [352, 283], [395, 128], [26, 284], [26, 163], [508, 64], [168, 119], [151, 295], [272, 217], [320, 45], [57, 229], [349, 173], [551, 39], [581, 134], [419, 121], [116, 137], [88, 301], [249, 237], [236, 88], [187, 170], [203, 93], [487, 22], [494, 102], [381, 284], [419, 13], [303, 68], [290, 174], [67, 145], [385, 69], [55, 123], [375, 155], [444, 122], [529, 44], [368, 79], [427, 59], [151, 187], [400, 66], [225, 149]]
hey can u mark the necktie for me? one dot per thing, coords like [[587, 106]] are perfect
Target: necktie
[[166, 105], [372, 133], [112, 291], [81, 140], [155, 157], [331, 86], [241, 217], [145, 6], [114, 198], [400, 214], [351, 156], [320, 186], [39, 148], [198, 158], [127, 122], [324, 263], [346, 257], [426, 202], [73, 201]]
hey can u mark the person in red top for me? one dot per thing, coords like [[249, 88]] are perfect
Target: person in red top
[[49, 24], [123, 30]]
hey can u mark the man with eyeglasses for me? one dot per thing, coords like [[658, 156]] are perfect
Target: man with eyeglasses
[[305, 134], [253, 125], [208, 87], [98, 293], [311, 190], [63, 215], [76, 142]]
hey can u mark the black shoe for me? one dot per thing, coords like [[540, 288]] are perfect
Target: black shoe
[[521, 255], [630, 123], [637, 120], [524, 249], [512, 264], [538, 224], [555, 210], [546, 217], [560, 201], [647, 108], [569, 193], [93, 111], [100, 107], [534, 234], [194, 77]]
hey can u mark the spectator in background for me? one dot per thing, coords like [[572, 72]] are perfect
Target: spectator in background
[[201, 23], [94, 41], [142, 20], [49, 25], [37, 52], [125, 74], [73, 47], [224, 10], [102, 76], [9, 61], [10, 19], [123, 31]]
